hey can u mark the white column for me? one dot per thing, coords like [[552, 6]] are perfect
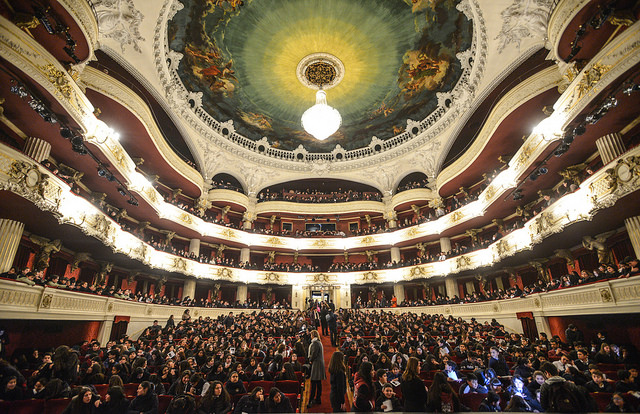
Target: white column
[[398, 291], [499, 283], [10, 235], [452, 287], [37, 149], [241, 293], [445, 244], [104, 333], [395, 254], [297, 297], [245, 254], [542, 322], [610, 147], [189, 288], [633, 229], [471, 288], [194, 246], [345, 297]]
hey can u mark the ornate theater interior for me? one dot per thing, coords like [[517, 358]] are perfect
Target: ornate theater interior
[[461, 151]]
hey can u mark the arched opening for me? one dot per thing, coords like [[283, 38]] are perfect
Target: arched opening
[[413, 180], [320, 190], [226, 181]]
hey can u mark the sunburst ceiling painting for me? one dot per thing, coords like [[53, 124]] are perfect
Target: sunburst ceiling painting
[[244, 56]]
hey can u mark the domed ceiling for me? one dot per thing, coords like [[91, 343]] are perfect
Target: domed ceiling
[[243, 56]]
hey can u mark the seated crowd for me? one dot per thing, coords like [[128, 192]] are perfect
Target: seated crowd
[[37, 279], [394, 362], [629, 267], [318, 196], [208, 363], [432, 363]]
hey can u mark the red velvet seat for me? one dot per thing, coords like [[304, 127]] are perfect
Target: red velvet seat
[[294, 399], [266, 385], [101, 389], [288, 387], [602, 399], [235, 398], [130, 389], [22, 407], [163, 403], [472, 401], [398, 391], [610, 367], [300, 376], [56, 405]]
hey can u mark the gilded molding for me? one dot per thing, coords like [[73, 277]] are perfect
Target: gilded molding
[[82, 13], [111, 88], [516, 97], [561, 17], [620, 178], [37, 302]]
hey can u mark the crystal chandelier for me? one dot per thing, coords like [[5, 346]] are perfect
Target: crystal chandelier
[[321, 120]]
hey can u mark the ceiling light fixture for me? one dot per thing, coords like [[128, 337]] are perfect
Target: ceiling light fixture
[[321, 120], [320, 71]]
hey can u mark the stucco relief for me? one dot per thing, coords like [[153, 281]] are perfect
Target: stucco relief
[[524, 19], [120, 20]]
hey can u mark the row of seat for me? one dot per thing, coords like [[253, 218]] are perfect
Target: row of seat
[[284, 386], [58, 405], [602, 399]]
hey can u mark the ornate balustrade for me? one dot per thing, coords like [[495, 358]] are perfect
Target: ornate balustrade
[[20, 301], [602, 190], [615, 59]]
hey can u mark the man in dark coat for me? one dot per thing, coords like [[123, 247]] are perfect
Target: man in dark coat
[[316, 359], [332, 320]]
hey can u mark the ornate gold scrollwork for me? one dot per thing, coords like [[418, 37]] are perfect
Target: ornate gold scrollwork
[[58, 79], [606, 295], [179, 263], [463, 261], [224, 273], [320, 243], [456, 216], [272, 277], [370, 277], [502, 247], [28, 177], [368, 240]]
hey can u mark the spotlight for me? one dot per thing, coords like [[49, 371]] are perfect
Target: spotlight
[[132, 201], [594, 118], [579, 130], [611, 102], [568, 139], [542, 170], [561, 150], [534, 175], [102, 172], [631, 88], [121, 191], [66, 132], [517, 195]]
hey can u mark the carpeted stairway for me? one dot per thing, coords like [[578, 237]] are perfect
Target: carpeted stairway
[[325, 407]]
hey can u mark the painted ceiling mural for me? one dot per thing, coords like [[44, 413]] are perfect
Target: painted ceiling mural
[[243, 54]]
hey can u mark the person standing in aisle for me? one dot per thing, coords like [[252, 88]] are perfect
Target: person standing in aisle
[[338, 372], [316, 359], [324, 310]]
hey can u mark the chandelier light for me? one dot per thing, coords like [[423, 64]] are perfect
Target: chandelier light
[[321, 120]]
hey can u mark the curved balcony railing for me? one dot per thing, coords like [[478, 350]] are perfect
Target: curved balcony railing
[[617, 57], [602, 190]]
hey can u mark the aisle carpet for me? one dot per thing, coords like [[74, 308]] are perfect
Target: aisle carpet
[[325, 407]]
